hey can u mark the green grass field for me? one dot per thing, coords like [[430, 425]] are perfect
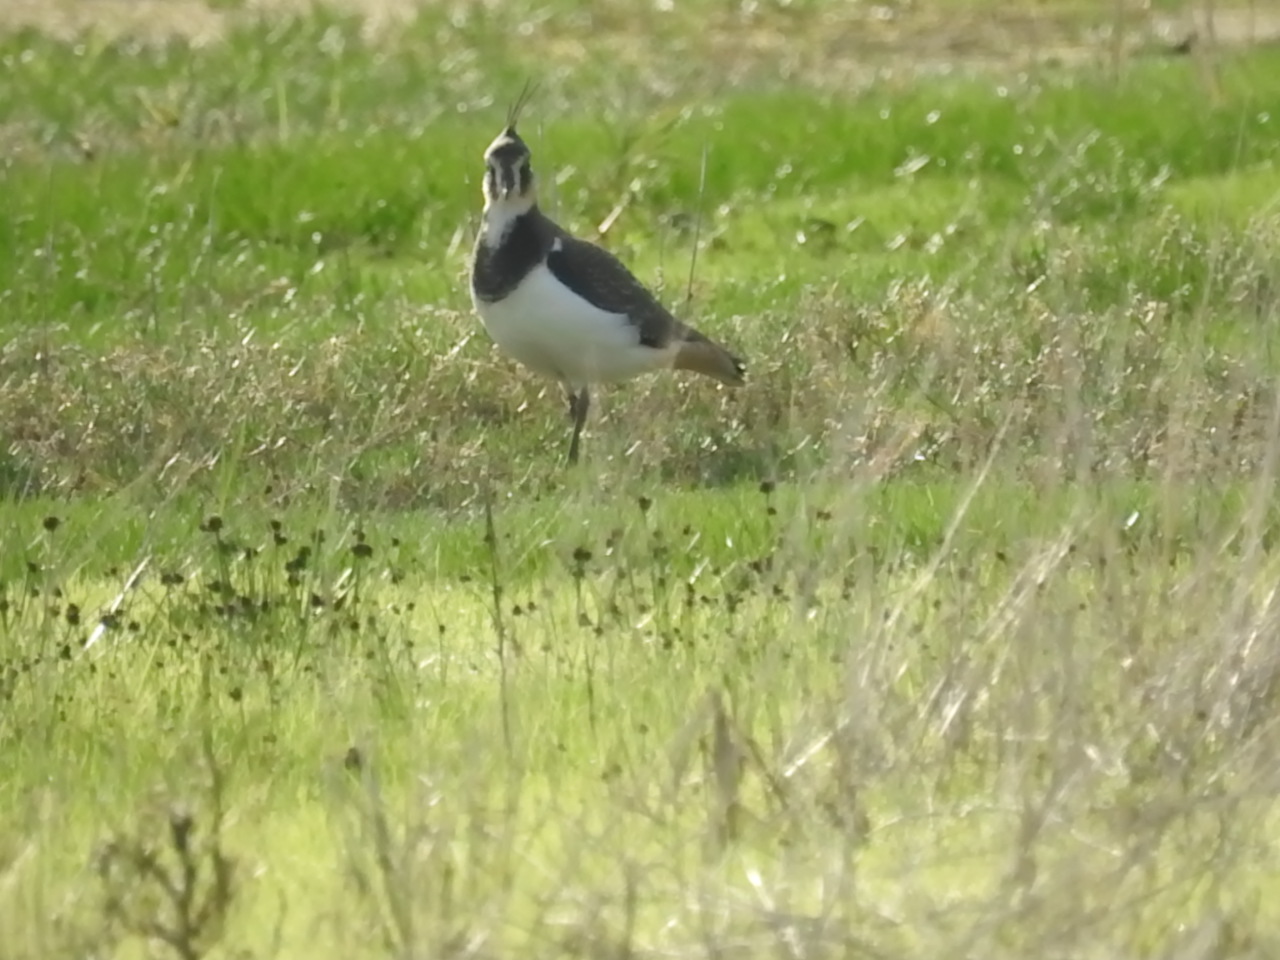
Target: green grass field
[[952, 634]]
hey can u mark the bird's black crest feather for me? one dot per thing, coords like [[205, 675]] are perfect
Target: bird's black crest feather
[[513, 112]]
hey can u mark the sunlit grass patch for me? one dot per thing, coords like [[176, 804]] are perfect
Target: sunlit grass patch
[[942, 741]]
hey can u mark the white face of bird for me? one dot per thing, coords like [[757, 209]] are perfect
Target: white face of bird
[[508, 175]]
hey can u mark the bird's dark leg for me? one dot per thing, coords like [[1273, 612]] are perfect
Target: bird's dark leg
[[579, 403]]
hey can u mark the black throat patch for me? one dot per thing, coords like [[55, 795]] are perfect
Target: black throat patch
[[497, 271]]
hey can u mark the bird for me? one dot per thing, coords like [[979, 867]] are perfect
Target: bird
[[567, 308]]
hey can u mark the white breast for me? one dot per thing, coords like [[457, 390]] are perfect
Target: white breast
[[554, 332]]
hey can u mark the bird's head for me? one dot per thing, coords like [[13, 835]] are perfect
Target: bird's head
[[508, 175]]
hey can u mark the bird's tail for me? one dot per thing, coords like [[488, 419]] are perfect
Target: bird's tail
[[701, 355]]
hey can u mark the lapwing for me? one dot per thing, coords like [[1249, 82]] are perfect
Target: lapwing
[[565, 307]]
